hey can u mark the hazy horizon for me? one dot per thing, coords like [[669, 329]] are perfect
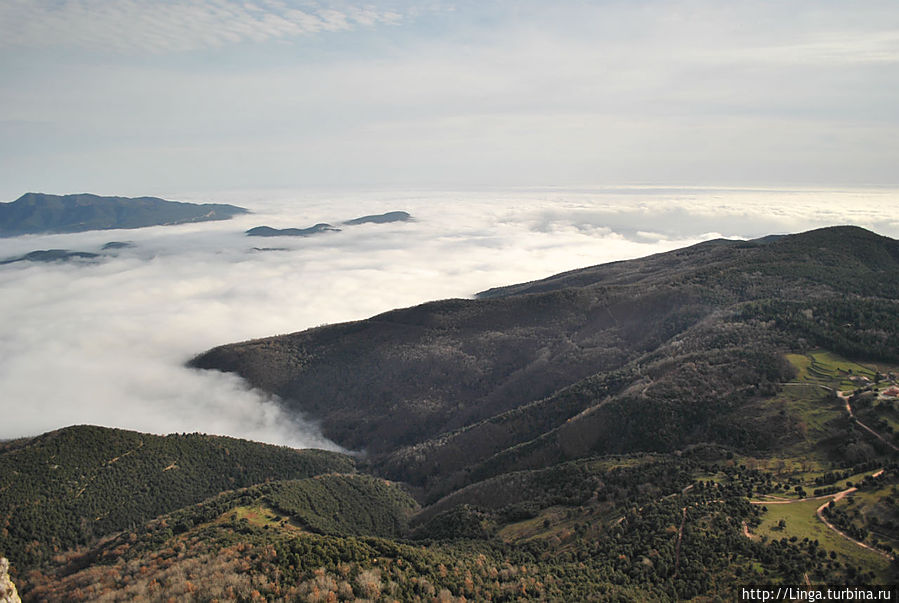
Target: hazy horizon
[[139, 97]]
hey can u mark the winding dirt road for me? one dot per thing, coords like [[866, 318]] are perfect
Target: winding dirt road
[[820, 513], [845, 398]]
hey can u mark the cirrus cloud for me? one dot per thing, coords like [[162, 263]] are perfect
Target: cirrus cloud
[[174, 26]]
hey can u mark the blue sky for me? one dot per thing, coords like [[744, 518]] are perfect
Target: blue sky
[[159, 97]]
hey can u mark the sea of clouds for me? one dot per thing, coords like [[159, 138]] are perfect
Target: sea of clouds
[[105, 341]]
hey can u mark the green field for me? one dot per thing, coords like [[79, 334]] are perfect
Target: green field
[[805, 422], [257, 515], [877, 512], [802, 522], [832, 370], [801, 363]]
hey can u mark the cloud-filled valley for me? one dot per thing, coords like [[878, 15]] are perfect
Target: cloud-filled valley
[[104, 341]]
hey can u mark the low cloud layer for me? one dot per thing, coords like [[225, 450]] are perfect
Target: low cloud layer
[[105, 342]]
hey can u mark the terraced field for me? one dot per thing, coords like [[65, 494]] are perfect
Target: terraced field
[[826, 368]]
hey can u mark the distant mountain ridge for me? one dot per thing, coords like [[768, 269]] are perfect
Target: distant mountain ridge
[[391, 216], [37, 213], [109, 249], [268, 231], [51, 255]]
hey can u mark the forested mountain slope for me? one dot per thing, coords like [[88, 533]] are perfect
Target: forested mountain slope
[[35, 213], [67, 487], [629, 528], [647, 354]]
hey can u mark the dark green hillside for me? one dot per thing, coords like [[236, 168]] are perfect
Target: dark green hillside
[[67, 487], [35, 213], [651, 354], [252, 557], [448, 459], [344, 505], [519, 495], [426, 370], [844, 258], [334, 504], [630, 528]]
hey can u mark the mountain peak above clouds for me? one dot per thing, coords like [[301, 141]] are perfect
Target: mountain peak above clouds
[[37, 213]]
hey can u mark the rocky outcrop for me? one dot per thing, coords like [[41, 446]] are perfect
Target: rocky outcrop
[[8, 593]]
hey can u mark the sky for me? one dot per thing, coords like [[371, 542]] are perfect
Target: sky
[[525, 137], [158, 96]]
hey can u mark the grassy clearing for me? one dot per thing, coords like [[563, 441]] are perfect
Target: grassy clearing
[[814, 407], [802, 522], [808, 479], [259, 516], [801, 363], [877, 512], [854, 480], [829, 369], [807, 421], [621, 461], [786, 467], [891, 419], [836, 365], [532, 528], [551, 522], [561, 523]]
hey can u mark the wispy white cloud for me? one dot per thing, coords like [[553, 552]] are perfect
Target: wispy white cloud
[[834, 48], [526, 92], [173, 25]]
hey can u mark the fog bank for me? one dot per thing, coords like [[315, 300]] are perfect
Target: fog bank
[[105, 341]]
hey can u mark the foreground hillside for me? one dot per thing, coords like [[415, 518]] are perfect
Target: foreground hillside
[[627, 528], [66, 488]]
